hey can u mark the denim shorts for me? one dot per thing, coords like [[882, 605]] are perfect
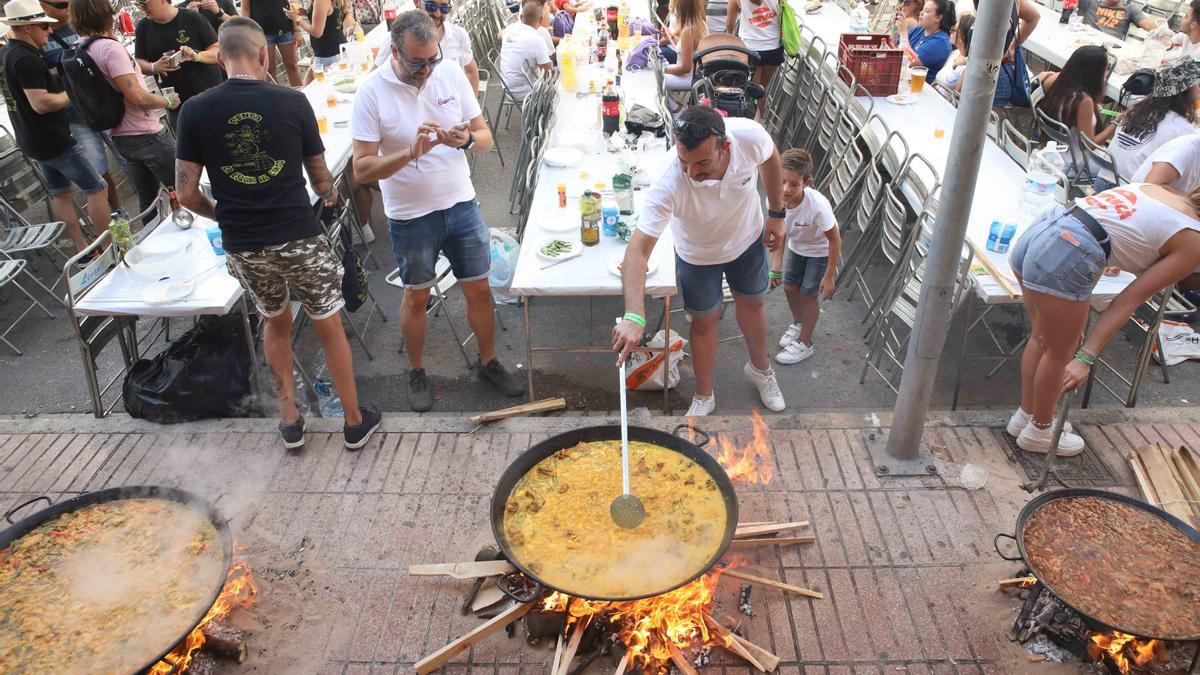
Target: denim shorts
[[325, 61], [93, 144], [458, 232], [71, 167], [281, 39], [1058, 256], [805, 272], [701, 284]]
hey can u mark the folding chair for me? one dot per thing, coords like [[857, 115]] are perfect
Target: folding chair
[[947, 93], [1015, 144], [1078, 172], [1100, 161], [865, 212], [18, 235], [856, 111]]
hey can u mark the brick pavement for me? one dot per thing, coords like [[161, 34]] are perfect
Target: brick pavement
[[907, 565]]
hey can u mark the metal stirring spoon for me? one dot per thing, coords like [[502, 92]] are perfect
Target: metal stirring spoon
[[627, 511]]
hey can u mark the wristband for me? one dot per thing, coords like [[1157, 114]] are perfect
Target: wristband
[[1085, 358], [781, 213], [153, 70], [636, 318], [774, 275], [168, 100]]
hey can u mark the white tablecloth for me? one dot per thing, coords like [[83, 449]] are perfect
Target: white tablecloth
[[1055, 42], [120, 291]]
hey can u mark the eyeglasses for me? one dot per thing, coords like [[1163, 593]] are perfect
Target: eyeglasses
[[57, 5], [418, 65], [694, 130], [444, 8]]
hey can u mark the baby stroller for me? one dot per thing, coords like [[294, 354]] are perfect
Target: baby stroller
[[721, 77]]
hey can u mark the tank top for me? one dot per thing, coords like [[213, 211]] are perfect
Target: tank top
[[1137, 224], [759, 25], [269, 14], [328, 44]]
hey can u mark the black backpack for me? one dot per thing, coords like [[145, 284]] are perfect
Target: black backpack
[[100, 105]]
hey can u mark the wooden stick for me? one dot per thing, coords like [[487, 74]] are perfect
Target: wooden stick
[[225, 641], [769, 660], [1170, 495], [464, 570], [798, 590], [623, 664], [767, 541], [1190, 481], [680, 660], [745, 531], [557, 655], [732, 644], [442, 656], [1143, 480], [981, 256], [487, 597], [1016, 582], [572, 647], [544, 405], [756, 522]]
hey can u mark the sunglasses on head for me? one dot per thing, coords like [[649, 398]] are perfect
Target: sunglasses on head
[[444, 8], [694, 130]]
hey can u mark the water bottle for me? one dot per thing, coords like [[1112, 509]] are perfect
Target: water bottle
[[860, 18], [327, 398], [1046, 168]]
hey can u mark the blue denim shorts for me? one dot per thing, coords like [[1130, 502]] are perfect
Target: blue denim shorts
[[71, 167], [1058, 256], [281, 39], [701, 284], [805, 272], [458, 232], [93, 144]]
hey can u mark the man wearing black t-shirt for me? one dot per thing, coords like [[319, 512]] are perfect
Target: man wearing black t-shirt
[[167, 29], [216, 11], [36, 107], [257, 140]]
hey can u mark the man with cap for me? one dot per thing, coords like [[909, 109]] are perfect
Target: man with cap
[[37, 108]]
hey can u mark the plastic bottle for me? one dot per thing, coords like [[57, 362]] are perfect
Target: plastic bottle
[[567, 67], [1046, 168], [609, 216], [860, 18], [1155, 48], [327, 397], [118, 226], [610, 109], [589, 218]]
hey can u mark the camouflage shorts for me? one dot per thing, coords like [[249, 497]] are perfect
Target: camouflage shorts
[[304, 269]]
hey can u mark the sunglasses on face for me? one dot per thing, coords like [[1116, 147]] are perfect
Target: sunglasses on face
[[432, 7], [419, 65], [694, 131]]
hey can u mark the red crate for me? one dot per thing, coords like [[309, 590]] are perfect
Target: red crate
[[873, 61]]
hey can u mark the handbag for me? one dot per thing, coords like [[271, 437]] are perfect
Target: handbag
[[789, 29]]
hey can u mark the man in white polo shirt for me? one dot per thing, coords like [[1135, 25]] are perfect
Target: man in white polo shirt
[[415, 120], [523, 51], [709, 197]]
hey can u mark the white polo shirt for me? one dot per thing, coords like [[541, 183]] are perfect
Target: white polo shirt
[[455, 44], [389, 111], [522, 51], [715, 221]]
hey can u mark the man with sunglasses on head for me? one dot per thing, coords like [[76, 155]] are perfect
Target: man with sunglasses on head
[[415, 119], [453, 39], [523, 51], [709, 197], [37, 110]]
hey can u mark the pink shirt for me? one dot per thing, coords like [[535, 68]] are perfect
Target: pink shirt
[[112, 59]]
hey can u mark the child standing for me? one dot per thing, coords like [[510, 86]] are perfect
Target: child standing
[[814, 245]]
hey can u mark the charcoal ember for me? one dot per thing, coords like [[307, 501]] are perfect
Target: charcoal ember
[[202, 663], [539, 624], [744, 601], [703, 657]]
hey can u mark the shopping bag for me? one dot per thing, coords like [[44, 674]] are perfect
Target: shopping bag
[[789, 29], [205, 373], [644, 369], [1179, 343]]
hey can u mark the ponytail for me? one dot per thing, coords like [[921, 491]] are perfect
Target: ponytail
[[946, 9]]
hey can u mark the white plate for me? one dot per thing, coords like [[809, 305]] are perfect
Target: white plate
[[562, 157], [576, 246], [166, 291], [902, 99], [346, 87], [614, 265]]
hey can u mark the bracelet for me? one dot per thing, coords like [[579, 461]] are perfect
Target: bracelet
[[636, 318], [774, 275], [153, 71], [168, 102], [781, 213], [1085, 358]]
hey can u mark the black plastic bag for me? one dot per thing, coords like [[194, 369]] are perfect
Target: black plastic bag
[[203, 374], [354, 275]]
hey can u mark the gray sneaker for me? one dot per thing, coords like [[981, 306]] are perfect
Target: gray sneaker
[[420, 393], [495, 374]]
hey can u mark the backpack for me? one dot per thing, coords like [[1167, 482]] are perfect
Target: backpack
[[100, 105]]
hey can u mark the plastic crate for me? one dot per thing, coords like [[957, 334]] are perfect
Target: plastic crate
[[872, 60]]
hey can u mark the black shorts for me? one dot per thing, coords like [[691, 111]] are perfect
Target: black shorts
[[771, 57]]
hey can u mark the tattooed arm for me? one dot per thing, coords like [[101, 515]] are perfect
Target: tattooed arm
[[321, 178], [187, 188]]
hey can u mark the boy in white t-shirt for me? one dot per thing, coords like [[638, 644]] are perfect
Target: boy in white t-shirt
[[814, 245]]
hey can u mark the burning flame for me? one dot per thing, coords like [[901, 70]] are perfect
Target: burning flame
[[1124, 650], [648, 626], [240, 590], [752, 463]]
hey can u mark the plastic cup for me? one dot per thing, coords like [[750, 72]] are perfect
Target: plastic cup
[[319, 74], [918, 78], [939, 133], [322, 124], [331, 99]]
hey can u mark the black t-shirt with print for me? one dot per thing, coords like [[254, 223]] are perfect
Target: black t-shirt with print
[[39, 136], [187, 28], [214, 18], [252, 137]]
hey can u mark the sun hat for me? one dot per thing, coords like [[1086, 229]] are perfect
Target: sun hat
[[24, 12], [1175, 77]]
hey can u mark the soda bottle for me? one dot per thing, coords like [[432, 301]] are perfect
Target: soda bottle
[[602, 47], [589, 218], [118, 226], [613, 19], [567, 67], [180, 216], [610, 110]]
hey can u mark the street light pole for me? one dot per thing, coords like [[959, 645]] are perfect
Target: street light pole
[[904, 453]]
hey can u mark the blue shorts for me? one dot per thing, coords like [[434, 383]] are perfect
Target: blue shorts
[[701, 284], [71, 167], [1058, 256], [281, 39], [458, 232], [93, 145], [805, 272]]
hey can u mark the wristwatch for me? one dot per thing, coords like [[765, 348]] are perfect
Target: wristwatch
[[781, 213], [470, 141]]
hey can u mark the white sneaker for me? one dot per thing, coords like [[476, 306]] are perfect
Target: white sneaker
[[1020, 419], [795, 352], [702, 407], [767, 386], [1033, 439], [791, 335]]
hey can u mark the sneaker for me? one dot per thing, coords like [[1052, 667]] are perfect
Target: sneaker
[[702, 407], [357, 436], [791, 335], [420, 394], [1033, 439], [795, 352], [767, 386], [293, 434], [1020, 419], [496, 375]]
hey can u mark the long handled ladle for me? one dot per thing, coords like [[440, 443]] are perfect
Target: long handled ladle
[[627, 511]]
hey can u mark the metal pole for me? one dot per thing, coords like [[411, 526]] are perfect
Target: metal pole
[[958, 192]]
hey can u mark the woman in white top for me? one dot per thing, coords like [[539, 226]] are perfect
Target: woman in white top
[[951, 74], [1149, 230], [760, 30], [1166, 114], [689, 26]]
